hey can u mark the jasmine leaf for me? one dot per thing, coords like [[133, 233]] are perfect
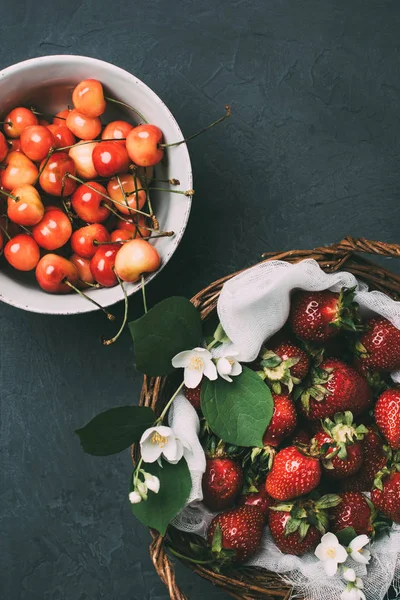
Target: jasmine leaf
[[346, 535]]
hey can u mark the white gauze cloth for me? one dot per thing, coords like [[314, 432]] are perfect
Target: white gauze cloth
[[252, 307]]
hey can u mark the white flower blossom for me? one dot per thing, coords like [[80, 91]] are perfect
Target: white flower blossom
[[135, 497], [162, 441], [357, 551], [353, 589], [196, 363], [349, 574], [228, 366], [152, 482], [142, 489], [330, 553]]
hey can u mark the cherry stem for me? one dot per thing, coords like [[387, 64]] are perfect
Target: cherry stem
[[170, 401], [25, 229], [5, 232], [149, 237], [134, 169], [144, 295], [116, 336], [121, 187], [191, 137], [15, 198], [126, 106], [6, 123], [96, 286], [157, 189], [40, 114], [109, 316], [42, 168], [82, 143]]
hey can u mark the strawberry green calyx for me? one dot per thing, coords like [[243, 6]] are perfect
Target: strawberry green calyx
[[317, 390], [256, 464], [343, 433], [307, 512], [347, 316], [277, 371], [393, 466]]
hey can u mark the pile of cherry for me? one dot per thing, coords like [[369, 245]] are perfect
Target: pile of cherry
[[334, 435], [93, 230]]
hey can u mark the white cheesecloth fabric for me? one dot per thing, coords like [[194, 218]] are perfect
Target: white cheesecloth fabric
[[252, 307]]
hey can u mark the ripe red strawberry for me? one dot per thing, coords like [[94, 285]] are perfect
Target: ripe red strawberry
[[297, 527], [259, 499], [387, 416], [379, 347], [336, 387], [375, 459], [241, 531], [288, 350], [386, 494], [283, 422], [319, 316], [293, 474], [354, 511], [222, 482], [283, 366], [301, 437], [193, 395], [339, 446]]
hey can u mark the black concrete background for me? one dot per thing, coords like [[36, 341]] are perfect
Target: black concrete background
[[310, 154]]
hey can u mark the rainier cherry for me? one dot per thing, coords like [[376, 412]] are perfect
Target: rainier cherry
[[83, 267], [133, 199], [53, 231], [88, 98], [62, 135], [85, 128], [19, 171], [15, 145], [143, 145], [88, 204], [3, 147], [119, 235], [102, 265], [140, 224], [82, 239], [17, 120], [134, 258], [22, 252], [110, 158], [27, 209], [52, 270], [61, 117], [53, 179], [117, 130], [82, 154], [36, 142]]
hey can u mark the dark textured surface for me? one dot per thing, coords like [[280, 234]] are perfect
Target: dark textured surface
[[310, 154]]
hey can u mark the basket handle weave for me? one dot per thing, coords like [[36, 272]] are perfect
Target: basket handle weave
[[350, 244]]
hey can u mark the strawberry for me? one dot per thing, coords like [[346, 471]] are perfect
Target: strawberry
[[259, 499], [379, 347], [336, 387], [387, 416], [222, 482], [283, 365], [339, 446], [354, 510], [283, 422], [297, 527], [319, 316], [386, 493], [293, 474], [193, 395], [238, 530], [375, 459], [301, 437]]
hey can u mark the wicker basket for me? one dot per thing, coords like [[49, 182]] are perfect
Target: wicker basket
[[253, 583]]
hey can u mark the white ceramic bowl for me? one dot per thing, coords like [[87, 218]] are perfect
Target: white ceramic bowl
[[47, 83]]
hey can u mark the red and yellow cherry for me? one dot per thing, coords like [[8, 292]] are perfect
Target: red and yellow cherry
[[102, 265], [88, 98], [82, 239], [89, 204], [117, 130], [53, 178], [119, 235], [62, 135], [134, 199], [52, 207], [16, 121], [22, 252], [110, 158], [4, 147], [82, 155], [139, 224], [20, 170], [14, 145], [134, 258], [143, 145], [61, 117], [83, 267], [85, 128], [53, 231], [36, 142], [27, 209], [51, 272]]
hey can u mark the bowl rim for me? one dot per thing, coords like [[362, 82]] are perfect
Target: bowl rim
[[133, 288]]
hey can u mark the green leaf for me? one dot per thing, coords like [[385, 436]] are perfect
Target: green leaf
[[169, 327], [114, 430], [238, 412], [271, 362], [216, 545], [346, 535], [175, 485]]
